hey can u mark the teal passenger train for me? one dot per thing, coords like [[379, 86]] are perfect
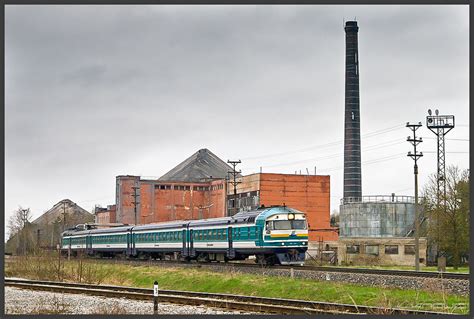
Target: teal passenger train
[[272, 235]]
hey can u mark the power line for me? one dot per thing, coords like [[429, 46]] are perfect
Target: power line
[[453, 152], [327, 145], [374, 161], [448, 139], [334, 155]]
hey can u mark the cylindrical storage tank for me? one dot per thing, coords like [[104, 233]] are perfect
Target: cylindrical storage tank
[[377, 216]]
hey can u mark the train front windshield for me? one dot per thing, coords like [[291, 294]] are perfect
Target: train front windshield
[[286, 224]]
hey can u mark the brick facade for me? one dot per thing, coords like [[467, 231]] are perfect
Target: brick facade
[[307, 193], [160, 201]]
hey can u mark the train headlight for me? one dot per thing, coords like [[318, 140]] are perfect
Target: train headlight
[[291, 216]]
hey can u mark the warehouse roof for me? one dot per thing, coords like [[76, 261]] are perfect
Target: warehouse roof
[[201, 165]]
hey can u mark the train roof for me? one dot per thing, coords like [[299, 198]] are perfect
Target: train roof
[[239, 218], [162, 225]]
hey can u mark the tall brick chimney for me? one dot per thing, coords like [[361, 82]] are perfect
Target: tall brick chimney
[[352, 162]]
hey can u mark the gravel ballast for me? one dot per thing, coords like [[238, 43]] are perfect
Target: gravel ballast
[[25, 301]]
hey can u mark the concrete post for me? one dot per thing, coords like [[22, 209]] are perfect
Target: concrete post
[[155, 297]]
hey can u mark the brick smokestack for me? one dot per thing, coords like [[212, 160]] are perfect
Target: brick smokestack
[[352, 163]]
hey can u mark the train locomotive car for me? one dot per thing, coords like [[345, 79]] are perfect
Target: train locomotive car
[[275, 235]]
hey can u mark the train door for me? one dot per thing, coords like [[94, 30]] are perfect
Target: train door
[[184, 251], [88, 246], [68, 243], [259, 233], [132, 239], [191, 243], [231, 251], [129, 243]]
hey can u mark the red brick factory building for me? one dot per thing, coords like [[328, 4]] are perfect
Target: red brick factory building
[[198, 189]]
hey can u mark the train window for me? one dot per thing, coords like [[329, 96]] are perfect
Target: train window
[[352, 249], [391, 249], [409, 249], [281, 224], [298, 224], [372, 250], [269, 225]]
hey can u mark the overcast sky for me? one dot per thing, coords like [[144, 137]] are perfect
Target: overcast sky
[[93, 92]]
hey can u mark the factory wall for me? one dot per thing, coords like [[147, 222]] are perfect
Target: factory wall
[[160, 201], [105, 215], [307, 193], [379, 251]]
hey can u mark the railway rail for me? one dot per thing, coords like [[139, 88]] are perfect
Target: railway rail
[[370, 271], [228, 301]]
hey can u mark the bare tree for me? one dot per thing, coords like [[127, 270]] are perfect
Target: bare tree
[[18, 226], [334, 221], [18, 220], [448, 226]]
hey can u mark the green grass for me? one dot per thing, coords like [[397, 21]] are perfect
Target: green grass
[[196, 279]]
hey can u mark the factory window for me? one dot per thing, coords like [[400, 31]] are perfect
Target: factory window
[[391, 249], [409, 249], [372, 250], [352, 249], [164, 186], [187, 188]]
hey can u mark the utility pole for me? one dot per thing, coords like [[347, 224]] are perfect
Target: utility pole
[[38, 243], [234, 181], [24, 220], [415, 141], [64, 215], [440, 125], [135, 202]]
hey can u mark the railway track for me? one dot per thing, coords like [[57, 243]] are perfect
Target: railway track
[[227, 301], [370, 271]]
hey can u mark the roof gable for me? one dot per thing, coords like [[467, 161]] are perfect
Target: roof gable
[[201, 165]]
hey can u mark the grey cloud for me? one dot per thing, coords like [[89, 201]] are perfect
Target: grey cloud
[[93, 92]]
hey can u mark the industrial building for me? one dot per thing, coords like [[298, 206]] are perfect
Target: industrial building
[[372, 229], [199, 188]]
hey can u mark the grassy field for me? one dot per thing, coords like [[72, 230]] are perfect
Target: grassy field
[[233, 283]]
